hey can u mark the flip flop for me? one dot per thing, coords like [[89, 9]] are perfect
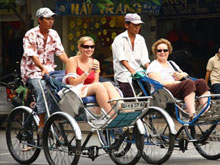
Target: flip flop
[[28, 148]]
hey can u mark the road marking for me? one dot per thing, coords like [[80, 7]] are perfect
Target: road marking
[[5, 153]]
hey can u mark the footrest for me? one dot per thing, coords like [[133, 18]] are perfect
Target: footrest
[[213, 114], [123, 119]]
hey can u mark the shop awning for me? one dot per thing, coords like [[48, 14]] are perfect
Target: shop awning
[[76, 7]]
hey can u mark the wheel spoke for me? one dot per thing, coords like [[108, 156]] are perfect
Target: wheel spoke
[[208, 143], [60, 143], [22, 133], [127, 145], [159, 142]]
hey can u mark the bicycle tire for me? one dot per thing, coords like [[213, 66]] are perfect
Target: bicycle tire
[[21, 132], [159, 141], [59, 141], [130, 150], [208, 147]]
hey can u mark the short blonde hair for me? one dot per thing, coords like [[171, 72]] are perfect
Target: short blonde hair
[[82, 40], [161, 41]]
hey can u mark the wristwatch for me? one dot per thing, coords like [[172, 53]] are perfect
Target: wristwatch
[[86, 73]]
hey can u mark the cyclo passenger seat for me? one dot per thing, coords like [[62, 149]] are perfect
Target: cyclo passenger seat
[[149, 87], [58, 75], [72, 103]]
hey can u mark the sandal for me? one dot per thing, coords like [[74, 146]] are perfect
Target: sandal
[[192, 117], [27, 148]]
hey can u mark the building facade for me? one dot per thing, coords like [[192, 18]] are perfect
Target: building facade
[[191, 26]]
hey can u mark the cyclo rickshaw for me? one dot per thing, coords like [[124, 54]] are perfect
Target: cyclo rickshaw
[[203, 131], [121, 135]]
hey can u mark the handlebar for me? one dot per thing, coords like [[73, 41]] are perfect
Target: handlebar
[[14, 83]]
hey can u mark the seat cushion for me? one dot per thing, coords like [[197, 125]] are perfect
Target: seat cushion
[[89, 99]]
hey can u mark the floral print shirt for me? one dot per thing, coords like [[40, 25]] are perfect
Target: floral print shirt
[[34, 44]]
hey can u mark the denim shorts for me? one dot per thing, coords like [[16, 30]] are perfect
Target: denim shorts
[[38, 94]]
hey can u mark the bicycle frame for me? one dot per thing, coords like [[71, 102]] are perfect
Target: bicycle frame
[[196, 122]]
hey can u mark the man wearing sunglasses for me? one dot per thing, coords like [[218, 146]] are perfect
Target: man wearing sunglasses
[[130, 53], [40, 45]]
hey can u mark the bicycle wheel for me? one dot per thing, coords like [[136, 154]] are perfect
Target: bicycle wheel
[[59, 141], [21, 133], [126, 146], [208, 140], [159, 141]]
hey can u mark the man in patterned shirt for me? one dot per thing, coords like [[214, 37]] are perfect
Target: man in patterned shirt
[[40, 45]]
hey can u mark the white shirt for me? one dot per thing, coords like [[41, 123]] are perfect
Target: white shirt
[[122, 50], [165, 73]]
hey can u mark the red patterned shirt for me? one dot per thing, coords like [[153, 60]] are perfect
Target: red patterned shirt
[[34, 44]]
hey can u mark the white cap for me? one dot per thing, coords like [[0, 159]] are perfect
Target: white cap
[[44, 12], [133, 18]]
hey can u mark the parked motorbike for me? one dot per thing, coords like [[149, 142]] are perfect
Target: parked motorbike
[[17, 93]]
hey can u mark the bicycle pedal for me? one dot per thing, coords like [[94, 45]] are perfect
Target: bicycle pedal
[[93, 152], [183, 145]]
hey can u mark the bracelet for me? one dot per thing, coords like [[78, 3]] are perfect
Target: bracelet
[[97, 71], [86, 73]]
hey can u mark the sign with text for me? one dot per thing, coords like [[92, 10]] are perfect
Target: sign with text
[[73, 7], [189, 7]]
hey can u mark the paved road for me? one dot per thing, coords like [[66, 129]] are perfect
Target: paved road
[[187, 158]]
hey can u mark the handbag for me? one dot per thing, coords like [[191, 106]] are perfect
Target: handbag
[[175, 68], [70, 102]]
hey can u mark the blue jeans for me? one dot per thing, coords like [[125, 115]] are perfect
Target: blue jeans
[[38, 94], [216, 89]]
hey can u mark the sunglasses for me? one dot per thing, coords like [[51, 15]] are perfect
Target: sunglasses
[[162, 50], [88, 46]]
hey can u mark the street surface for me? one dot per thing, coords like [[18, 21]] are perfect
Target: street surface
[[188, 158]]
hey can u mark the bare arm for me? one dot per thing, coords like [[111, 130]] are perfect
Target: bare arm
[[146, 65], [39, 65], [71, 66], [63, 57], [179, 75], [156, 76], [126, 65], [207, 75], [96, 67]]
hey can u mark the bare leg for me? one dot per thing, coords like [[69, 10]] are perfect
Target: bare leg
[[112, 92], [41, 125], [190, 103], [101, 94], [204, 100], [42, 117]]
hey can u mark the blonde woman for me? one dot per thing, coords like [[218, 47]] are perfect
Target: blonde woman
[[82, 72]]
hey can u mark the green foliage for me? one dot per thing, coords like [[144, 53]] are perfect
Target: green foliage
[[6, 3], [100, 3]]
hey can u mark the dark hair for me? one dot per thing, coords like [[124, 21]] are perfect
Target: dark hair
[[41, 18]]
